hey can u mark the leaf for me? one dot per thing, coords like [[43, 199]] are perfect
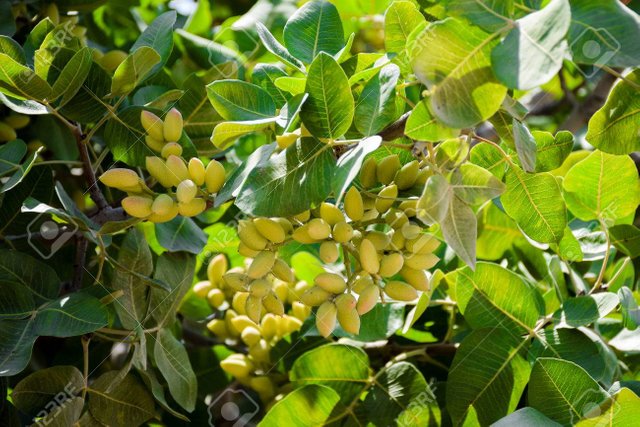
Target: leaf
[[534, 201], [626, 238], [72, 315], [314, 28], [475, 185], [273, 46], [310, 405], [349, 165], [490, 158], [456, 66], [158, 36], [376, 106], [526, 416], [83, 106], [120, 403], [305, 168], [16, 302], [65, 415], [604, 32], [37, 277], [329, 109], [17, 337], [552, 151], [380, 323], [401, 395], [525, 145], [173, 362], [306, 266], [491, 296], [532, 53], [133, 70], [21, 82], [400, 19], [181, 234], [341, 367], [265, 75], [10, 155], [614, 128], [489, 374], [225, 134], [562, 390], [496, 233], [629, 308], [33, 394], [584, 310], [423, 126], [238, 100], [579, 346], [622, 410], [293, 85], [459, 228], [134, 255], [21, 172], [176, 269], [602, 186], [490, 16], [205, 52], [72, 77], [434, 203]]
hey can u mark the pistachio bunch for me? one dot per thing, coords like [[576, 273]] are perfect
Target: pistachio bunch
[[10, 124], [384, 250], [188, 183], [237, 321]]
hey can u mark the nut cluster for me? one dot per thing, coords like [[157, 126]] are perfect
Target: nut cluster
[[10, 124], [194, 183]]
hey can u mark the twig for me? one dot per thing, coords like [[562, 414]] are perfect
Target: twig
[[396, 129], [82, 245]]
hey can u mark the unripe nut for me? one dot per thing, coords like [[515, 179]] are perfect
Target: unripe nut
[[331, 282], [326, 318], [136, 206], [261, 264], [172, 128], [400, 291]]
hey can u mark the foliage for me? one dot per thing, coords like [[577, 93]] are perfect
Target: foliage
[[401, 212]]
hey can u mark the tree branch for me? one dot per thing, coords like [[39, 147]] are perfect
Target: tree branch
[[396, 129], [94, 190]]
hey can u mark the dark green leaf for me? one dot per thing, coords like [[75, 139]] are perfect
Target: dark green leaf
[[181, 234], [310, 405], [173, 362]]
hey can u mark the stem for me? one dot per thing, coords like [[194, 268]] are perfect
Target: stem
[[82, 245], [85, 358], [605, 261]]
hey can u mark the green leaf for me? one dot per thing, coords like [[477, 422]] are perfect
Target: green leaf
[[489, 374], [623, 410], [490, 16], [475, 185], [17, 337], [602, 186], [10, 155], [120, 402], [629, 308], [70, 316], [535, 202], [532, 53], [422, 125], [133, 70], [526, 417], [265, 75], [376, 106], [11, 48], [525, 146], [380, 323], [310, 405], [273, 46], [16, 302], [67, 414], [491, 296], [562, 390], [584, 310], [314, 28], [33, 394], [135, 256], [83, 107], [177, 270], [21, 172], [401, 395], [341, 367], [329, 109], [456, 66], [21, 82], [225, 134], [496, 233], [37, 277], [435, 200], [293, 85], [181, 234], [626, 238], [604, 32], [580, 346], [460, 229], [552, 151], [306, 266], [349, 164], [158, 36], [72, 77], [173, 362], [614, 128], [305, 168], [400, 19], [238, 100], [490, 158], [205, 52]]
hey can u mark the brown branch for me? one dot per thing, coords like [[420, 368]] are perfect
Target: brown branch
[[94, 190], [82, 245], [396, 129]]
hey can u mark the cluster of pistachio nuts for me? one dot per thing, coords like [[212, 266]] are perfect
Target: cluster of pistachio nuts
[[237, 322], [194, 183], [10, 124]]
